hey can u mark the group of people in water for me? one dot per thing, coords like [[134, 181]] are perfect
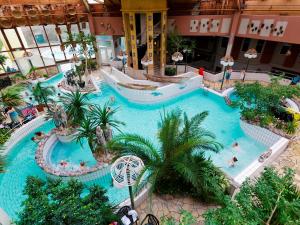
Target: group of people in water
[[38, 136], [233, 161]]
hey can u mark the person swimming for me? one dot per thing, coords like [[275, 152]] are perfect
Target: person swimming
[[39, 135], [233, 161], [236, 146]]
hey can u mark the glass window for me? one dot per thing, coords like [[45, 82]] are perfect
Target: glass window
[[12, 38], [36, 58], [9, 65], [22, 62], [26, 37], [85, 27], [52, 35], [74, 29], [58, 53], [3, 44], [259, 45], [47, 56], [246, 44], [68, 52], [39, 35], [64, 32]]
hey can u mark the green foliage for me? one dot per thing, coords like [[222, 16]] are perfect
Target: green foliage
[[178, 166], [104, 116], [75, 104], [4, 135], [87, 131], [175, 42], [2, 160], [98, 116], [260, 103], [3, 58], [291, 127], [11, 96], [19, 76], [58, 203], [43, 94], [169, 71], [186, 218], [273, 200]]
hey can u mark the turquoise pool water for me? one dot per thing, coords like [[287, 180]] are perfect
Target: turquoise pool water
[[141, 119], [73, 154]]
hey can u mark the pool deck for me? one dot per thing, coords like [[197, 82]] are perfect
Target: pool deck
[[170, 206], [290, 158]]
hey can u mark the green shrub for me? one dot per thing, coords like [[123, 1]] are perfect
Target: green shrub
[[186, 218], [170, 71], [57, 202], [265, 120], [272, 199], [248, 115], [291, 127], [4, 135]]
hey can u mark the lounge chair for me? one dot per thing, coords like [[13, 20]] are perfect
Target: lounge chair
[[150, 220]]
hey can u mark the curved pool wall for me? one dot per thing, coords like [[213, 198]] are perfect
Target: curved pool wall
[[140, 119], [160, 94], [48, 156]]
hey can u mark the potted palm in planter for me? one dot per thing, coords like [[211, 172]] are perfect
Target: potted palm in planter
[[43, 95]]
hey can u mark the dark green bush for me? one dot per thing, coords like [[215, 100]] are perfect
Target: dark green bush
[[4, 135], [170, 71]]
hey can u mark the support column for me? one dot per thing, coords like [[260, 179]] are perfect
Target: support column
[[233, 30], [93, 32], [163, 41], [127, 37], [149, 18], [133, 40]]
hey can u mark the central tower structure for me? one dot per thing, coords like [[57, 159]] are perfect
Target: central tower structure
[[145, 28]]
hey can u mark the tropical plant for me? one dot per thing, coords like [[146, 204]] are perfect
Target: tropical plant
[[43, 94], [186, 218], [273, 199], [11, 96], [261, 103], [57, 202], [2, 160], [32, 72], [87, 130], [18, 76], [104, 116], [75, 104], [3, 58], [179, 164], [4, 135]]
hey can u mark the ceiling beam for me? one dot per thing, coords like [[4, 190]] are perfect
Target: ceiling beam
[[86, 5]]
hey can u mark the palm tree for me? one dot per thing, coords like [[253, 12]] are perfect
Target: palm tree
[[32, 71], [87, 130], [103, 117], [3, 58], [178, 165], [11, 96], [75, 104], [2, 161], [43, 94]]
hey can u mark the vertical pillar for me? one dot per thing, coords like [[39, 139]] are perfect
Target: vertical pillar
[[127, 37], [163, 41], [233, 29], [149, 17], [133, 40], [93, 32]]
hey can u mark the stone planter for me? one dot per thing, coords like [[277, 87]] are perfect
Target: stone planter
[[66, 138]]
